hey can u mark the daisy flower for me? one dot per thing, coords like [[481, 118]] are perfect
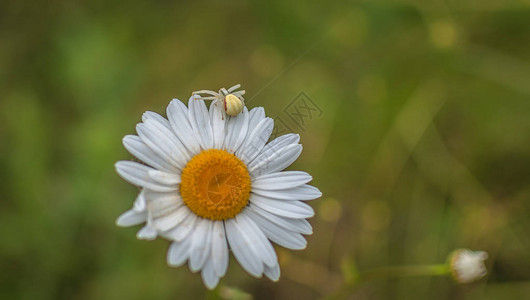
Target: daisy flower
[[212, 184]]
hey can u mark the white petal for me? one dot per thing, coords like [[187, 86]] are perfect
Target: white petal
[[139, 149], [177, 114], [255, 140], [139, 203], [304, 193], [273, 273], [274, 146], [277, 144], [163, 205], [281, 180], [170, 218], [162, 141], [219, 254], [237, 128], [164, 177], [147, 233], [242, 243], [163, 198], [200, 244], [295, 225], [256, 115], [178, 253], [184, 228], [289, 209], [275, 161], [262, 245], [136, 174], [156, 117], [218, 117], [209, 277], [200, 122], [131, 218], [279, 235]]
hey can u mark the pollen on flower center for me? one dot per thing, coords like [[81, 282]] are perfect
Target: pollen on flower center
[[215, 185]]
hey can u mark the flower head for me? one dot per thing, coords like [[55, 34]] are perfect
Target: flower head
[[468, 266], [210, 184]]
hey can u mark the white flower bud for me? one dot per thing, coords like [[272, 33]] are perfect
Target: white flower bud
[[468, 266]]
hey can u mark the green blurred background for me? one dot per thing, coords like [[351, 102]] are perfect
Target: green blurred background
[[422, 145]]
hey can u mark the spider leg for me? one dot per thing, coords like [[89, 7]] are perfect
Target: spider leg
[[235, 87], [208, 98], [223, 92], [239, 93], [208, 92]]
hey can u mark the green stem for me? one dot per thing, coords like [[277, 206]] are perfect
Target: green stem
[[388, 272], [405, 271]]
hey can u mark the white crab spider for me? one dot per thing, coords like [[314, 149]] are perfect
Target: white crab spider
[[231, 99]]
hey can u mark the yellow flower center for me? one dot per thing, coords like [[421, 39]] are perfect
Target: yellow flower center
[[215, 185]]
